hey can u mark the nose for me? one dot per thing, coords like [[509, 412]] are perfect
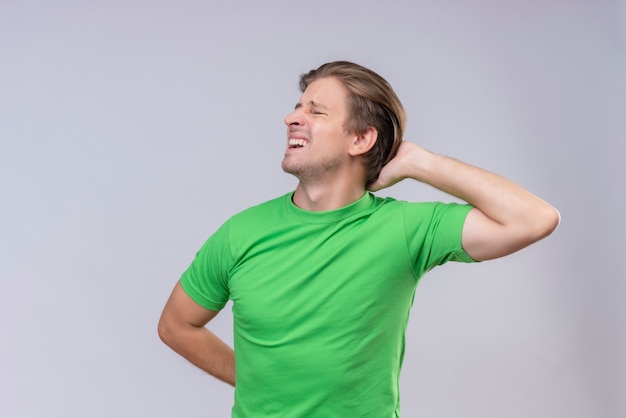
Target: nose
[[294, 118]]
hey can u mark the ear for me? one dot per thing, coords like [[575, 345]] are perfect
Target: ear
[[364, 142]]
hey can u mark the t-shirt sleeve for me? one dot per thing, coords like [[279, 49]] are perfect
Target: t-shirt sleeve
[[434, 234], [206, 278]]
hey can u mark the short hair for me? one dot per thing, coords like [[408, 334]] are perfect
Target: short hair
[[373, 103]]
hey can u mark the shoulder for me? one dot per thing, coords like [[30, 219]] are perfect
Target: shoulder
[[423, 212], [390, 203], [265, 211], [267, 206]]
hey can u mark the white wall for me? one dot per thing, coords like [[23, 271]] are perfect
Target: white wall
[[129, 130]]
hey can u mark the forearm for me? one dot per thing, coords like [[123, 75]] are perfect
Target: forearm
[[202, 348], [503, 201], [507, 217]]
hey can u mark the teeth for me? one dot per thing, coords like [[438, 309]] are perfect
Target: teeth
[[295, 142]]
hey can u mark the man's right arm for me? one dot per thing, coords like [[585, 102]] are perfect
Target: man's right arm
[[182, 328]]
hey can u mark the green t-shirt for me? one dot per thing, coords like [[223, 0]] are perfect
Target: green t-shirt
[[321, 300]]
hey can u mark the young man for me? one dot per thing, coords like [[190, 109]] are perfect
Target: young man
[[322, 279]]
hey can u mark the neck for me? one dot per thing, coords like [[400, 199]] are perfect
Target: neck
[[318, 198]]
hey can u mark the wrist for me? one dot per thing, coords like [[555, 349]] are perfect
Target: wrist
[[421, 164]]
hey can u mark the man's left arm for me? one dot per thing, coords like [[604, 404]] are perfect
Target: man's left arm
[[505, 217]]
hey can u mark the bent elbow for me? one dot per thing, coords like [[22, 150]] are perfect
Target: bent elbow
[[546, 222], [553, 219], [164, 331]]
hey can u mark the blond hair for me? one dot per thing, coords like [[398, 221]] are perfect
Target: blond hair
[[373, 103]]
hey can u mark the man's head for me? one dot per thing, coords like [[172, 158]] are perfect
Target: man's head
[[371, 103]]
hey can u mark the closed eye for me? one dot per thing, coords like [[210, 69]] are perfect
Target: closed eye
[[317, 111]]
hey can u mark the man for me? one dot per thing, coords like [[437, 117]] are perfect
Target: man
[[322, 279]]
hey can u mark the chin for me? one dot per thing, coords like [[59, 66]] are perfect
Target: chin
[[288, 168], [294, 169]]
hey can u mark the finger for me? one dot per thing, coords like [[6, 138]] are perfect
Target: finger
[[377, 185]]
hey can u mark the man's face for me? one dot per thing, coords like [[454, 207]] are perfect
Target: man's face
[[317, 141]]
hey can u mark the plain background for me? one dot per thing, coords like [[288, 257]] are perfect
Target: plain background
[[130, 130]]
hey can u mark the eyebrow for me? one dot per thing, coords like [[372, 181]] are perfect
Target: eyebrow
[[312, 103]]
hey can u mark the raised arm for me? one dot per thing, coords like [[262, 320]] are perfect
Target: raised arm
[[506, 217], [182, 328]]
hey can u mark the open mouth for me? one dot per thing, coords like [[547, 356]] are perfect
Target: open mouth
[[297, 143]]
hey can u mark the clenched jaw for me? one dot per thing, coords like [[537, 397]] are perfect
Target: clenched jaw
[[297, 142]]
